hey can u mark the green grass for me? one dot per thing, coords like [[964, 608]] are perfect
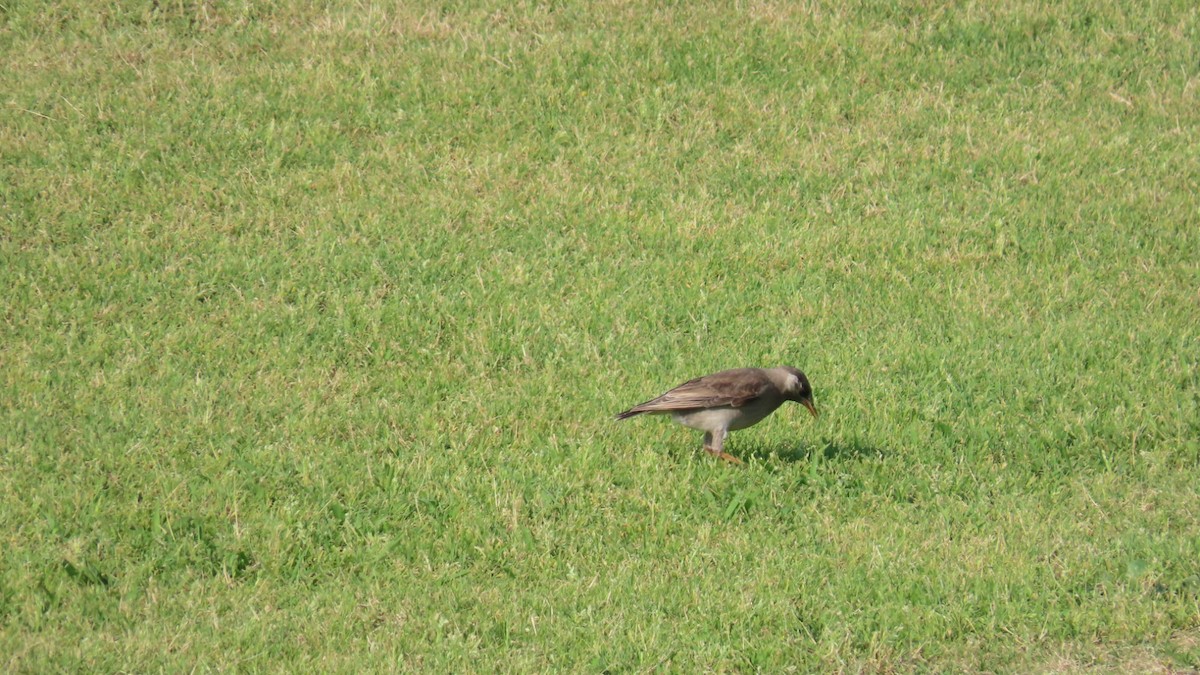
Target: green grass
[[315, 317]]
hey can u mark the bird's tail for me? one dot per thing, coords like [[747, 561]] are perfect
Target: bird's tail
[[629, 413]]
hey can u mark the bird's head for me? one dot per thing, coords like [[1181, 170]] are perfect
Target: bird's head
[[796, 388]]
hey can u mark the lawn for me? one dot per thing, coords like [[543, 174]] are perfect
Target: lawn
[[316, 315]]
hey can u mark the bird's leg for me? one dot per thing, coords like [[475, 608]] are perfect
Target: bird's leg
[[713, 444]]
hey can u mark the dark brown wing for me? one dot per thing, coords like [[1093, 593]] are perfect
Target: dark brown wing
[[733, 388]]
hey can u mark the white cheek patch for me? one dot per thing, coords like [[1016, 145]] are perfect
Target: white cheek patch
[[792, 383]]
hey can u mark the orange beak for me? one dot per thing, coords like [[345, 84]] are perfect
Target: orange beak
[[811, 408]]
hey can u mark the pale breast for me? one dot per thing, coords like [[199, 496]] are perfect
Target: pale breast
[[725, 417]]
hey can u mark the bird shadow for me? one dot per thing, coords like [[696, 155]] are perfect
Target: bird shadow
[[789, 453]]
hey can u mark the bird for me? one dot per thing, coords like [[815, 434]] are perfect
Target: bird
[[729, 400]]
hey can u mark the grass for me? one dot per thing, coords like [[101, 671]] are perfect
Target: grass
[[316, 316]]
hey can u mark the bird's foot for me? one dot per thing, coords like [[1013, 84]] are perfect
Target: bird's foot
[[723, 455]]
